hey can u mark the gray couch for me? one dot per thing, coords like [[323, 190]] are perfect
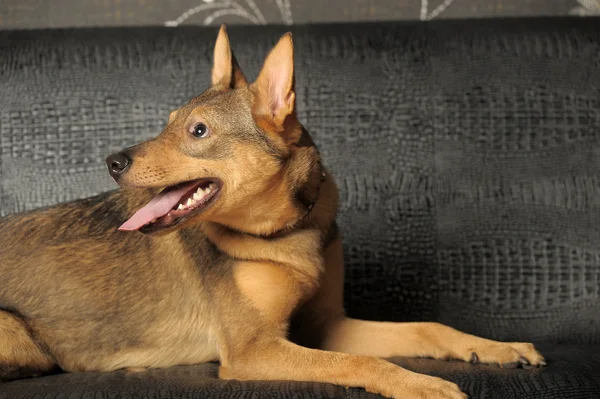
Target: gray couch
[[467, 155]]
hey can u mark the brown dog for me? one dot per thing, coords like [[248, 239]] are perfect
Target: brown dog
[[238, 216]]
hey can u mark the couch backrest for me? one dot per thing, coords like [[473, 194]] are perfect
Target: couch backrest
[[467, 153]]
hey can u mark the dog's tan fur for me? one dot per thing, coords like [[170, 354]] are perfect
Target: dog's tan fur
[[261, 264]]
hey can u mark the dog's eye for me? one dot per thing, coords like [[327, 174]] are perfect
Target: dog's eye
[[200, 131]]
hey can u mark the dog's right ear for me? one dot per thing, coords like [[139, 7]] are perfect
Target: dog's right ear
[[226, 71]]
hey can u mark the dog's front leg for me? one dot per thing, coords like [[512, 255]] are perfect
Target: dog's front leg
[[335, 332], [384, 339], [278, 359], [256, 347]]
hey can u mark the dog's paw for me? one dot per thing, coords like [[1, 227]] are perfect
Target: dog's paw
[[508, 355], [413, 385], [427, 387]]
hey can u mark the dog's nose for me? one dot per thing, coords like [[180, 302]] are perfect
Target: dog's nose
[[117, 163]]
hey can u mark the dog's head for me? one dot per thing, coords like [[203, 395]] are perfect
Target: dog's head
[[235, 155]]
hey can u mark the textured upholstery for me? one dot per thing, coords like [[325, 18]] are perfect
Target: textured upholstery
[[467, 155]]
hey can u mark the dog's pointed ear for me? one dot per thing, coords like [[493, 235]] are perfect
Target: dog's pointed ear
[[226, 72], [275, 98]]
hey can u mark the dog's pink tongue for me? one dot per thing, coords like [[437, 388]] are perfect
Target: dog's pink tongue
[[159, 206]]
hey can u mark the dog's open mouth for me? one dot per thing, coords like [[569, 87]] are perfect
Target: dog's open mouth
[[173, 204]]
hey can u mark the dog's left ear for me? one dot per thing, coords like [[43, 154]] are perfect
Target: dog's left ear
[[226, 71], [275, 98]]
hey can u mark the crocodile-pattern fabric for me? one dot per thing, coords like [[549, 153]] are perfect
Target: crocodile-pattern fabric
[[467, 154]]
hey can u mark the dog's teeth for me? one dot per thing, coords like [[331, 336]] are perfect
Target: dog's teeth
[[153, 220], [211, 186], [189, 202], [197, 196], [180, 207]]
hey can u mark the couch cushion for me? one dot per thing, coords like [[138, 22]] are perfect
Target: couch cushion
[[572, 372]]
